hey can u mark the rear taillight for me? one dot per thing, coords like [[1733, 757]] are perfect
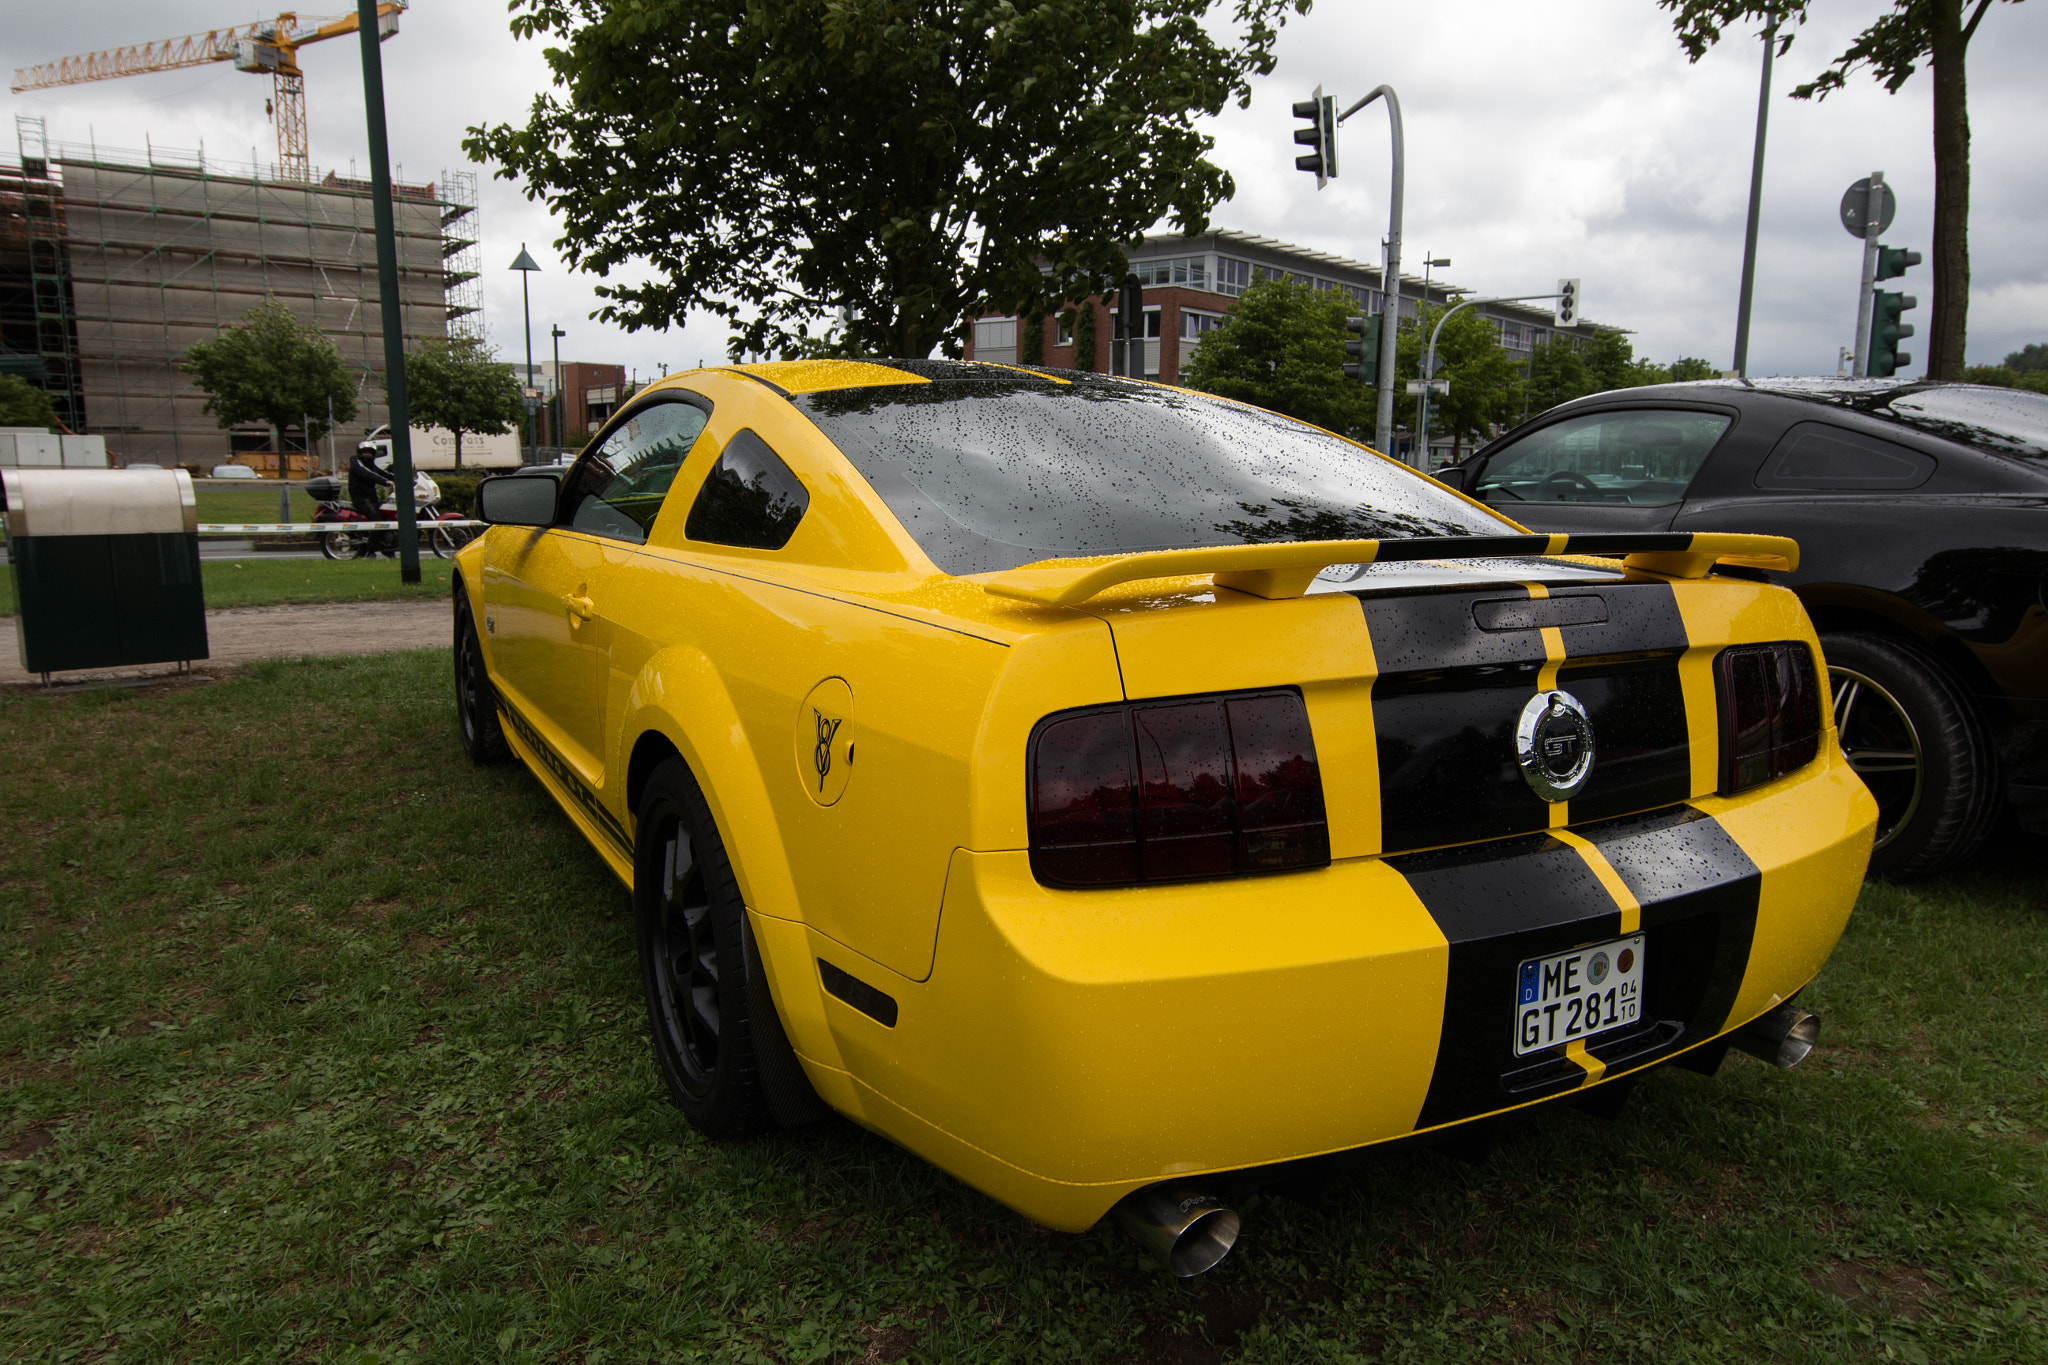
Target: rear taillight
[[1170, 790], [1770, 712]]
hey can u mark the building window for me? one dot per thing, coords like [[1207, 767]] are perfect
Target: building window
[[995, 340], [1232, 275], [1194, 326], [1192, 271], [1063, 334]]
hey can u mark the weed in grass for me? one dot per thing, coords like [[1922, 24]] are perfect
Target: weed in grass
[[322, 1045]]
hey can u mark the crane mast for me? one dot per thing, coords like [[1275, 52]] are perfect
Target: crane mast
[[265, 47]]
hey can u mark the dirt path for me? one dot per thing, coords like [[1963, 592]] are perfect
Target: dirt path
[[239, 634]]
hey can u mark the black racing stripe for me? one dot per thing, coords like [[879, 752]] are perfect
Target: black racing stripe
[[1644, 759], [584, 798], [1477, 547], [764, 383], [1502, 903], [1455, 670], [1700, 889], [1498, 903]]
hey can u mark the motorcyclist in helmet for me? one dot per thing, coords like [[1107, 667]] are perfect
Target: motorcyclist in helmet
[[366, 481]]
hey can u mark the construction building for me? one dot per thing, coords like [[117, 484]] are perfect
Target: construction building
[[113, 263]]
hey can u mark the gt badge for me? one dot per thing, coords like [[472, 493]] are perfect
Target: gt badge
[[1554, 745], [824, 740]]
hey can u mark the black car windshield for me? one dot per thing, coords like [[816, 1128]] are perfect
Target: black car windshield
[[2004, 421], [990, 473]]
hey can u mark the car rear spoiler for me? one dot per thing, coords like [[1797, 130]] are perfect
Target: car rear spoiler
[[1286, 570]]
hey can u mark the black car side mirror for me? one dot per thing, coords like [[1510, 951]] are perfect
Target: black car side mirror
[[518, 499], [1454, 475]]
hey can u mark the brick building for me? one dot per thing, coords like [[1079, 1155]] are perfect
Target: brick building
[[1191, 284]]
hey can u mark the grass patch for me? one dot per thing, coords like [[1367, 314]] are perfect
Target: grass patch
[[322, 1045], [272, 582], [255, 502]]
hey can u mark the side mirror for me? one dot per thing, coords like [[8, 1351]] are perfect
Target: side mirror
[[518, 499], [1454, 475]]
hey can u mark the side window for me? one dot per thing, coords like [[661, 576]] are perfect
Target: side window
[[750, 498], [1642, 458], [616, 489], [1815, 457]]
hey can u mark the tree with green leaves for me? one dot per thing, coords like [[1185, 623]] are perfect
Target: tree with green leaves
[[913, 162], [1282, 347], [22, 404], [1936, 33], [272, 368], [454, 383], [2030, 359], [1485, 382]]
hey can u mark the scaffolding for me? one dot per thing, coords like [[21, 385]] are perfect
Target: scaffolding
[[37, 326], [139, 255]]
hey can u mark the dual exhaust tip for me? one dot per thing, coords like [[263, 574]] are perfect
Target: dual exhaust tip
[[1190, 1230]]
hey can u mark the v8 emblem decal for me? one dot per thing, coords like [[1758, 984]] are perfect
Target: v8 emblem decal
[[821, 757]]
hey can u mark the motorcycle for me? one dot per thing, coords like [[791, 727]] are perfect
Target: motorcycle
[[334, 513]]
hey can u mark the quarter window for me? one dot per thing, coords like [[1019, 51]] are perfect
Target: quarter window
[[1817, 457], [1636, 457], [616, 490], [751, 498]]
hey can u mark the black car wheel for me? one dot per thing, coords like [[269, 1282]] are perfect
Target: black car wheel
[[476, 701], [1907, 729], [687, 912]]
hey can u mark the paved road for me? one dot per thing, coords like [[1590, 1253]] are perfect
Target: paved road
[[240, 634]]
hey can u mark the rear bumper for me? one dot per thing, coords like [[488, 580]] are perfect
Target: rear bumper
[[1072, 1046]]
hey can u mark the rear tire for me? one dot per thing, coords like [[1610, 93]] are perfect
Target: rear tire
[[443, 543], [1909, 731], [476, 701], [688, 918], [340, 545]]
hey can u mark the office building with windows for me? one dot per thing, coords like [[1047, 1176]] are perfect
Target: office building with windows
[[1191, 284]]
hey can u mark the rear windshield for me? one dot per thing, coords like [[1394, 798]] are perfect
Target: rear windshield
[[2004, 421], [989, 474]]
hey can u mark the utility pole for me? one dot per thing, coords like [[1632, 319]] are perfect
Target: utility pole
[[387, 286], [1383, 428], [1756, 200], [561, 406]]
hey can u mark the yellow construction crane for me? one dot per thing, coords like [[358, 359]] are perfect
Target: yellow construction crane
[[266, 47]]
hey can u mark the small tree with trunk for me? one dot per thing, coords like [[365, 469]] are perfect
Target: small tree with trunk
[[274, 369], [454, 383], [1283, 348]]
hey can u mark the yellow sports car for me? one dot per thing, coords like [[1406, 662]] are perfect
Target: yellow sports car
[[1108, 792]]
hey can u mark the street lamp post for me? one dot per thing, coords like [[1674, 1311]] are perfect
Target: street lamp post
[[525, 265], [1390, 278], [1429, 355], [561, 406], [1756, 199]]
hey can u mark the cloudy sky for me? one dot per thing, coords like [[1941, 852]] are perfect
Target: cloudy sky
[[1569, 138]]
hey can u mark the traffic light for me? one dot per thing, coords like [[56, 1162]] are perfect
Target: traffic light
[[1565, 310], [1364, 350], [1886, 331], [1321, 135], [1893, 260]]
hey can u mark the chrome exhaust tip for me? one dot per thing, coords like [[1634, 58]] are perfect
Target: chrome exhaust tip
[[1189, 1229], [1783, 1037]]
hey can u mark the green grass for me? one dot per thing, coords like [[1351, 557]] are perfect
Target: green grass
[[255, 502], [271, 582], [321, 1045]]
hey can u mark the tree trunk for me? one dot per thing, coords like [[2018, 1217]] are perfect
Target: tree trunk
[[1947, 321], [458, 447]]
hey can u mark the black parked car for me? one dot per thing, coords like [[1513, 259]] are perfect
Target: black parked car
[[1921, 512]]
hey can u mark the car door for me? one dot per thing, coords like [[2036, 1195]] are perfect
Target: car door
[[548, 592], [1612, 469]]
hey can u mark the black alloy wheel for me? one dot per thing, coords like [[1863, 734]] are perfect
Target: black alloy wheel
[[687, 912], [476, 701], [1907, 729]]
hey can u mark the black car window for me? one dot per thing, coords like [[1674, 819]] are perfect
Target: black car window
[[987, 474], [616, 489], [750, 498], [1816, 457], [1639, 457]]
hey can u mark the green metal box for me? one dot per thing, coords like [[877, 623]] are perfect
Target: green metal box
[[106, 567]]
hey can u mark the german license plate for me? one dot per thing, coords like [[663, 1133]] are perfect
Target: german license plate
[[1578, 994]]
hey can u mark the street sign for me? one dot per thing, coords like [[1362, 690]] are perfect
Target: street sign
[[1856, 208], [1440, 387], [1565, 310]]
